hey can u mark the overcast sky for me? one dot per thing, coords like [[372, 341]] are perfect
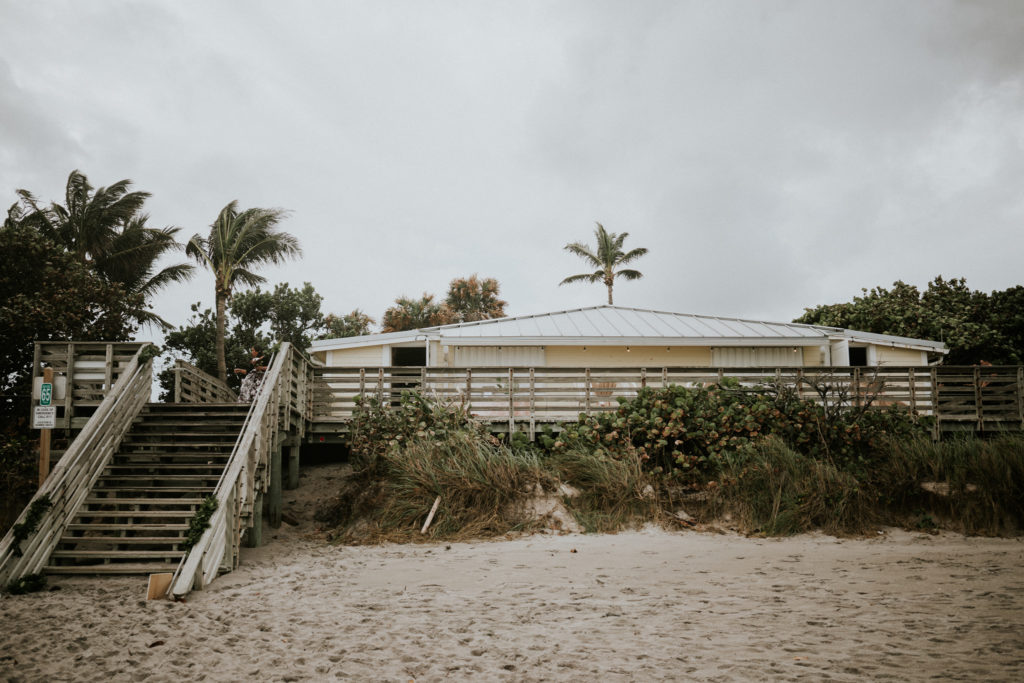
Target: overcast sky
[[771, 155]]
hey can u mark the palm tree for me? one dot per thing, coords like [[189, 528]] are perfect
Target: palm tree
[[412, 314], [471, 299], [105, 231], [608, 257], [238, 242], [131, 259]]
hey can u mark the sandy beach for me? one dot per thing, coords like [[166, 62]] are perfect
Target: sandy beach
[[644, 605]]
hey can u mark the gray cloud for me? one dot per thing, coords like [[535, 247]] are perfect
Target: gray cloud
[[772, 155]]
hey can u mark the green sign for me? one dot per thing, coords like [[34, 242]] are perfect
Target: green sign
[[45, 394]]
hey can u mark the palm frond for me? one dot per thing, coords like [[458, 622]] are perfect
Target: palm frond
[[629, 274]]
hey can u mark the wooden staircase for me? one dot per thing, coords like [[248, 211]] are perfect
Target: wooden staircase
[[136, 516]]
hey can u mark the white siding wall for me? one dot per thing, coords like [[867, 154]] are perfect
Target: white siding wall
[[360, 357], [757, 357], [499, 356]]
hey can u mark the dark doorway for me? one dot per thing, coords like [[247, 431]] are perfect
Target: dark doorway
[[406, 357], [858, 356], [413, 358]]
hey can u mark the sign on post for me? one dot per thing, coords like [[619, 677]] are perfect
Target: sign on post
[[45, 393], [44, 417]]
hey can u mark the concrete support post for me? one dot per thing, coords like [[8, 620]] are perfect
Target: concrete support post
[[254, 537], [291, 480], [274, 503]]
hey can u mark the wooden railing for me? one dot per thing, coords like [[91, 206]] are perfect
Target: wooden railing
[[981, 398], [280, 402], [192, 385], [73, 477], [84, 371]]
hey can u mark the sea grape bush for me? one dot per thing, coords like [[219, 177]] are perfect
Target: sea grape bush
[[687, 432], [380, 424]]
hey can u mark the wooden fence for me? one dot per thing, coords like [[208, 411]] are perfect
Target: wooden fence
[[84, 371], [982, 399]]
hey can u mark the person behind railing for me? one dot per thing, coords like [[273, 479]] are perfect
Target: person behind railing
[[252, 378]]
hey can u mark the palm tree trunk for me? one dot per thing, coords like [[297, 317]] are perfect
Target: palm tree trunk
[[222, 365], [609, 294]]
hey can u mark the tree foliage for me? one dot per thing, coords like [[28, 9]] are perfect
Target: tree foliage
[[607, 259], [238, 243], [46, 294], [352, 324], [105, 230], [412, 314], [471, 298], [291, 315], [255, 319], [975, 326]]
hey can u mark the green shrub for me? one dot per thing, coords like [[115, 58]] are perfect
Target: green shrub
[[378, 426], [19, 475], [687, 432]]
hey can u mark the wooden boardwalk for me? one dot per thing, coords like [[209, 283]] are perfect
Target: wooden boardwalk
[[983, 399]]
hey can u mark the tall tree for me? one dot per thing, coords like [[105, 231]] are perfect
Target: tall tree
[[607, 259], [239, 242], [352, 324], [470, 299], [292, 314], [411, 314], [974, 326], [105, 230]]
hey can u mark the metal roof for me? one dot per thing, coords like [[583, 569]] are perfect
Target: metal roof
[[611, 325]]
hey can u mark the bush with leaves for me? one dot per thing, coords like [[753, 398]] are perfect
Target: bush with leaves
[[379, 424], [685, 432]]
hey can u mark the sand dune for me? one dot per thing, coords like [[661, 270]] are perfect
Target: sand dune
[[647, 605]]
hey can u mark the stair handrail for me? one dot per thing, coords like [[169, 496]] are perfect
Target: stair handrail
[[73, 477], [246, 471], [192, 385]]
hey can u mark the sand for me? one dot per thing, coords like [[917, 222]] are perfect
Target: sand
[[645, 605]]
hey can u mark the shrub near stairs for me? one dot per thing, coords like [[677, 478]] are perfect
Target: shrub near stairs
[[685, 432]]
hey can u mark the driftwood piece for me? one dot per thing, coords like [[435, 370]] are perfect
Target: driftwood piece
[[430, 517]]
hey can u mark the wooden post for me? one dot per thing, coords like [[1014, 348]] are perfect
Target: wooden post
[[533, 407], [664, 377], [291, 481], [586, 384], [44, 438], [1020, 394], [108, 370], [511, 403], [362, 381], [469, 389], [937, 430], [643, 378], [977, 400], [912, 384], [856, 387], [70, 389], [274, 506]]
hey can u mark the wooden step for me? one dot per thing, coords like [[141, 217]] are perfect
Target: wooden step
[[123, 540], [105, 514], [164, 467], [113, 500], [224, 447], [116, 554], [163, 489], [127, 527], [161, 478], [114, 568], [170, 455]]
